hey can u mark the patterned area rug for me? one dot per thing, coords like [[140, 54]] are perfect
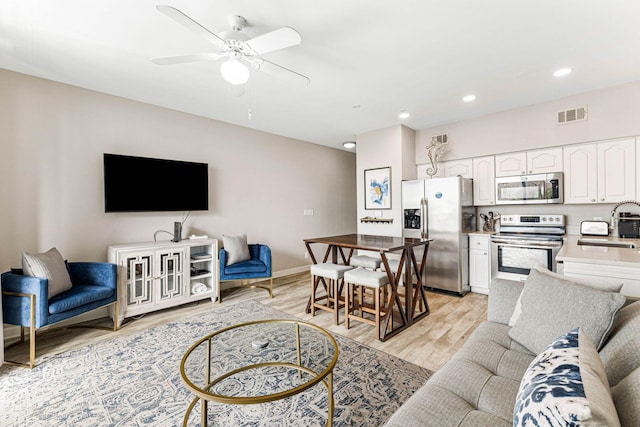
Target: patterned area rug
[[135, 380]]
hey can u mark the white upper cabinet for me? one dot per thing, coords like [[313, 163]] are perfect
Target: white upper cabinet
[[463, 167], [544, 161], [484, 188], [422, 171], [616, 171], [529, 162], [511, 164], [581, 174], [600, 173]]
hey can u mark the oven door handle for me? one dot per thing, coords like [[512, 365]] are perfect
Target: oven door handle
[[526, 244]]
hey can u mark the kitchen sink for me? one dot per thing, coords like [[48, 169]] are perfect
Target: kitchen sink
[[605, 242]]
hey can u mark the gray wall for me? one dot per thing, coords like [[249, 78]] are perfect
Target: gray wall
[[52, 137]]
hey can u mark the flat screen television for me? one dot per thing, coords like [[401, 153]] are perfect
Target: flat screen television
[[141, 184]]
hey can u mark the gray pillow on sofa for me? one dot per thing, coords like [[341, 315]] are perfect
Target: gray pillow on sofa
[[592, 283], [237, 248], [551, 306], [48, 265]]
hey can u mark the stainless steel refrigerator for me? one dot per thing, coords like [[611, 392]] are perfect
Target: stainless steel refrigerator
[[441, 209]]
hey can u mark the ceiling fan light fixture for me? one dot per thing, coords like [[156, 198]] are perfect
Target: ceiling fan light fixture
[[234, 71]]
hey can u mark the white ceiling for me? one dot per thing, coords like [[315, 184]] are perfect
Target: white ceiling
[[418, 55]]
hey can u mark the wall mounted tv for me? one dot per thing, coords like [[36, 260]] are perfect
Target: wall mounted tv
[[141, 184]]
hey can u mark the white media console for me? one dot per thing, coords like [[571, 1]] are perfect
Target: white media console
[[157, 275]]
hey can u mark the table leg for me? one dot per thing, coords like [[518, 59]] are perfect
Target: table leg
[[394, 300], [418, 293], [330, 399], [203, 412]]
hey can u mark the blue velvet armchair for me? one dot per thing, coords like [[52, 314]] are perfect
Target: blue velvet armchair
[[258, 267], [25, 302]]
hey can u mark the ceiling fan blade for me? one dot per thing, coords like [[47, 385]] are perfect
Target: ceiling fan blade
[[280, 72], [190, 24], [274, 40], [169, 60]]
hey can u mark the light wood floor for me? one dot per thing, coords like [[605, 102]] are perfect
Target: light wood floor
[[429, 343]]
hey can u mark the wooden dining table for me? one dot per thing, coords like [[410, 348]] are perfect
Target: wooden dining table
[[399, 316]]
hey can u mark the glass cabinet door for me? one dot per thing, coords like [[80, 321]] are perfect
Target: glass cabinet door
[[139, 279], [171, 274]]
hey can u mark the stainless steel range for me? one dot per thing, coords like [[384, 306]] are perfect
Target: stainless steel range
[[523, 241]]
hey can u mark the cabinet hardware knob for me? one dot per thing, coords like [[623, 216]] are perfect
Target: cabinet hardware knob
[[602, 200], [593, 200]]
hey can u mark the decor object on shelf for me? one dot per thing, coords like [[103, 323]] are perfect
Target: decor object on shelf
[[369, 219], [377, 188], [258, 266], [157, 275], [239, 50], [435, 151], [26, 302]]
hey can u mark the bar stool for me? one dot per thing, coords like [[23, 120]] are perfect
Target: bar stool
[[365, 262], [335, 274], [362, 278]]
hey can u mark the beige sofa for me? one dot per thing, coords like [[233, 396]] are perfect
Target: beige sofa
[[479, 385]]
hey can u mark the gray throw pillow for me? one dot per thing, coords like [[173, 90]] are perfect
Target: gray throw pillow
[[551, 306], [237, 248], [592, 283], [49, 265]]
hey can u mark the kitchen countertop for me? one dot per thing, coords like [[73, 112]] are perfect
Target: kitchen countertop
[[572, 252], [481, 233]]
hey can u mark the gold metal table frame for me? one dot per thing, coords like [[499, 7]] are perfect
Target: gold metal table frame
[[204, 394]]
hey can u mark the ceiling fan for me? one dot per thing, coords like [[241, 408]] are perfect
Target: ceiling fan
[[239, 50]]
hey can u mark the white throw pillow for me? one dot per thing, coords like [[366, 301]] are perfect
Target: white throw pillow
[[565, 385], [592, 283], [237, 248], [49, 265]]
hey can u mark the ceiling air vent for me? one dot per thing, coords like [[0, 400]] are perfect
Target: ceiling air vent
[[573, 115]]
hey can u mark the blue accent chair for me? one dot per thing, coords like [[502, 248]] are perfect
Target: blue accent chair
[[258, 267], [25, 303]]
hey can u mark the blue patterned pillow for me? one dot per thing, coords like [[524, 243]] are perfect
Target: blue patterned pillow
[[566, 385]]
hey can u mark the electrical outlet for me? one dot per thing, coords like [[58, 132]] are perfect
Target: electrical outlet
[[307, 212]]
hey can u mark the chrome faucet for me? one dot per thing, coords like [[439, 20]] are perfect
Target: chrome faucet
[[614, 221]]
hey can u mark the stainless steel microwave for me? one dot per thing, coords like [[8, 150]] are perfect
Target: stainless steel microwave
[[529, 189]]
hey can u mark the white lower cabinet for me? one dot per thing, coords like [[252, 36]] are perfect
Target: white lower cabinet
[[628, 275], [479, 263], [157, 275]]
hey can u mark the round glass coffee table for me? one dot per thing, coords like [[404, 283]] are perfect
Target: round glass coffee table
[[258, 362]]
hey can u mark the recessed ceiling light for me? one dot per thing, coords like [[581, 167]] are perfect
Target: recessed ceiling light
[[349, 144], [469, 98], [562, 72], [404, 114]]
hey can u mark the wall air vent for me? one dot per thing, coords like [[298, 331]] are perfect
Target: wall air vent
[[573, 115], [440, 138]]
